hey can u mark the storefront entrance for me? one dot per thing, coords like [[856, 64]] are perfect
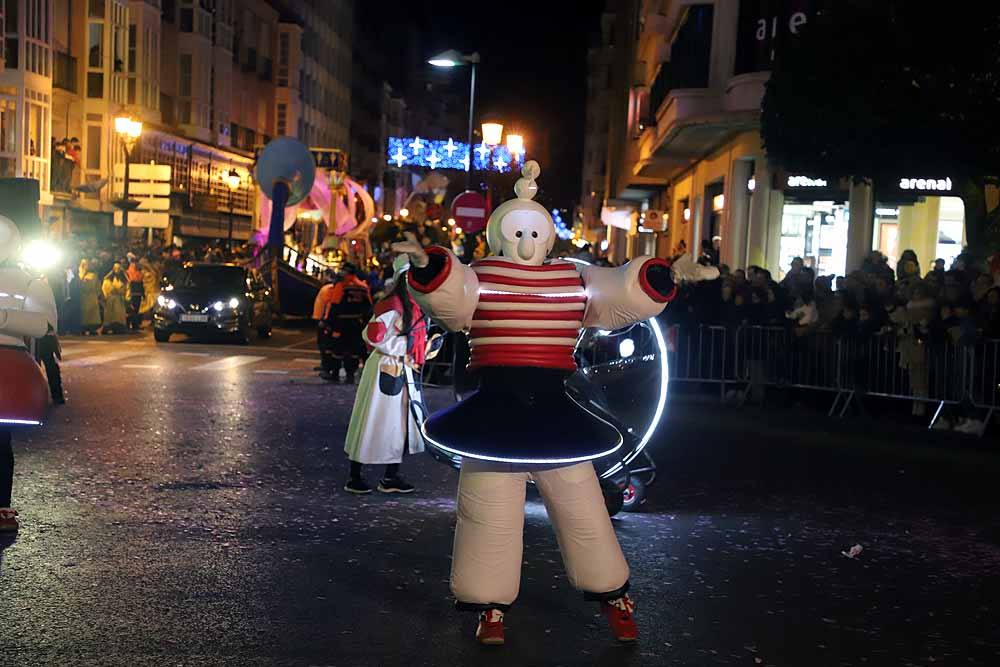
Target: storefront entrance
[[816, 231]]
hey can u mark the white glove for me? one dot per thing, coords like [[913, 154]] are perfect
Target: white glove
[[411, 246], [686, 270]]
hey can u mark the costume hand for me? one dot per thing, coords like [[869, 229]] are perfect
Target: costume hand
[[686, 270], [411, 246]]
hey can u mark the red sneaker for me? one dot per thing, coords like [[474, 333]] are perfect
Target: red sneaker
[[619, 614], [8, 520], [490, 630]]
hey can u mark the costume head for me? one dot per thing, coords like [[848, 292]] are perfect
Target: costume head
[[521, 230], [10, 239]]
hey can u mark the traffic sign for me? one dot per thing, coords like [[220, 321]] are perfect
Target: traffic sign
[[470, 211]]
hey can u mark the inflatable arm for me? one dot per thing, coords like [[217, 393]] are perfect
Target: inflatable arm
[[445, 289], [621, 296], [38, 314]]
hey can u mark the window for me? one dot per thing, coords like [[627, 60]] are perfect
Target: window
[[187, 19], [185, 75], [282, 118], [131, 48], [96, 9], [131, 90], [95, 85], [96, 45], [94, 147]]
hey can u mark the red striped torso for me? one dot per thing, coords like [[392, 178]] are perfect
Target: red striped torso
[[527, 315]]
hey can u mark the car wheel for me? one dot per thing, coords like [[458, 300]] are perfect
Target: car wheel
[[161, 336], [634, 495]]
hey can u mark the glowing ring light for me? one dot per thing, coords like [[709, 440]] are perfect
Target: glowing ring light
[[650, 429], [661, 399]]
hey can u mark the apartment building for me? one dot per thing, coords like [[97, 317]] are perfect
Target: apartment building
[[212, 81], [688, 78]]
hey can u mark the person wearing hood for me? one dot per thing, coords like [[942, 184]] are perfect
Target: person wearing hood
[[348, 307], [90, 305], [114, 288], [383, 426]]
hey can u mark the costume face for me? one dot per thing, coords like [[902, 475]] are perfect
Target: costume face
[[526, 236], [10, 239]]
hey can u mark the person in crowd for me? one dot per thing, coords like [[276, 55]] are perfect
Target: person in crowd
[[70, 312], [115, 290], [136, 293], [48, 352], [908, 266], [90, 305], [793, 272], [988, 313], [938, 268], [709, 255], [912, 320], [804, 315], [150, 285], [383, 426], [349, 307], [982, 284]]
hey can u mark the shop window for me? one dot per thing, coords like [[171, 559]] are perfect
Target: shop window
[[931, 226], [816, 231]]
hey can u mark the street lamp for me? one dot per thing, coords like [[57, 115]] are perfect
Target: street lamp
[[492, 132], [128, 130], [515, 144], [452, 58], [233, 180]]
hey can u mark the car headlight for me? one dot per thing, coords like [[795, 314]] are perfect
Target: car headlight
[[164, 302], [218, 306], [234, 303], [161, 301]]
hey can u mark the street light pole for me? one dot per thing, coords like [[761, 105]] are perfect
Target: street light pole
[[232, 179], [474, 59], [129, 130], [452, 58]]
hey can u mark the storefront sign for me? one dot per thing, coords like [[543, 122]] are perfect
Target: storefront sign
[[805, 182], [617, 216], [765, 28], [926, 184]]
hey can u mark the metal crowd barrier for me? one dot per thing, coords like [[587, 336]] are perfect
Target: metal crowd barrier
[[751, 358]]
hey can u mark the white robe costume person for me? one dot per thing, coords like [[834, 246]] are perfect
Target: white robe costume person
[[383, 426], [523, 314]]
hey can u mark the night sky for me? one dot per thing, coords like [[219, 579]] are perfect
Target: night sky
[[533, 69]]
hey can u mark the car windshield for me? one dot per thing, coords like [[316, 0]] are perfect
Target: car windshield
[[228, 278]]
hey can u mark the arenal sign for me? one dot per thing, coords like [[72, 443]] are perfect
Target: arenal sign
[[926, 184]]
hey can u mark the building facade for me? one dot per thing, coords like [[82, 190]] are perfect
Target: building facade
[[211, 80], [688, 78]]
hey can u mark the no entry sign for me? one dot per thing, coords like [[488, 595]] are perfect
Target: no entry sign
[[469, 211]]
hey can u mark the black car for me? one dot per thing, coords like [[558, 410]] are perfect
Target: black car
[[203, 299]]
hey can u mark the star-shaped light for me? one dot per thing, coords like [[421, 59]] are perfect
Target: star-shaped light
[[399, 157], [450, 146], [499, 163], [465, 162], [483, 151], [433, 159], [416, 145]]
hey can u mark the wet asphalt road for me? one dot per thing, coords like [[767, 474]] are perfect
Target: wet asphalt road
[[185, 509]]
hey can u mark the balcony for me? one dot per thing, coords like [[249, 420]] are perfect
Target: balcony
[[64, 72]]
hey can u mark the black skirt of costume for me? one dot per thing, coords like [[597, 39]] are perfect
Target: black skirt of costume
[[521, 415]]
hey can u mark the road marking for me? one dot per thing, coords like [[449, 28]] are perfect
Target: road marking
[[194, 354], [293, 346], [305, 360], [271, 372], [101, 359], [72, 350], [139, 366], [227, 363]]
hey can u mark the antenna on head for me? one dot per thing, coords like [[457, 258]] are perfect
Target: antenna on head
[[526, 188]]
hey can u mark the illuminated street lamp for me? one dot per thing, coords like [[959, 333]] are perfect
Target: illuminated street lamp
[[233, 180], [515, 144], [492, 132], [452, 58], [128, 130]]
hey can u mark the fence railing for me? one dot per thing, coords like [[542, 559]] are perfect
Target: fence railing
[[884, 365]]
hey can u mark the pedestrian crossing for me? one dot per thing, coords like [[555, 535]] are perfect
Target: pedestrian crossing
[[85, 355]]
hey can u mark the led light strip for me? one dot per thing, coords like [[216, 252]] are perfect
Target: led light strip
[[20, 422]]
